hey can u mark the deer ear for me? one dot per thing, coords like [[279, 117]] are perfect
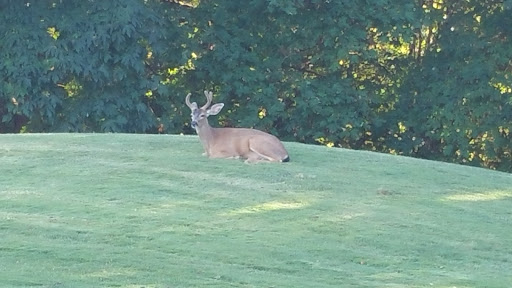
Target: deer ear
[[215, 109]]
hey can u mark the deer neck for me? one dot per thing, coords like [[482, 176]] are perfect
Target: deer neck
[[206, 135]]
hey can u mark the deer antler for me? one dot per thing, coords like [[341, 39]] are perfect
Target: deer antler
[[209, 97], [187, 101]]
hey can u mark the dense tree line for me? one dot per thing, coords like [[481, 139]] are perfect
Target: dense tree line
[[426, 78]]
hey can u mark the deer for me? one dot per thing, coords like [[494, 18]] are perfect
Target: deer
[[250, 144]]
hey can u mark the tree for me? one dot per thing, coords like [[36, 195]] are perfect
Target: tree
[[425, 78], [85, 65]]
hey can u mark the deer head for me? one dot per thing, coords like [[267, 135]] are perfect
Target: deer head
[[200, 115]]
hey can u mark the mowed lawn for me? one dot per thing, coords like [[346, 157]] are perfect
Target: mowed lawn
[[117, 210]]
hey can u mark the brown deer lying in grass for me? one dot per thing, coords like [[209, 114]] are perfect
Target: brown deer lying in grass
[[250, 144]]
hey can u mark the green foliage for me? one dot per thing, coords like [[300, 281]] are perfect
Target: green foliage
[[421, 78], [84, 66], [456, 102]]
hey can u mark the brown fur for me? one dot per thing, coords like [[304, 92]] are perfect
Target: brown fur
[[250, 144]]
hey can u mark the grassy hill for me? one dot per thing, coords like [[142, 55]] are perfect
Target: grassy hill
[[113, 210]]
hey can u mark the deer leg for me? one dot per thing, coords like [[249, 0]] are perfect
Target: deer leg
[[223, 154], [253, 157], [263, 150]]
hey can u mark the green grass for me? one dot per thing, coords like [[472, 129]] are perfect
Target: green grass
[[111, 210]]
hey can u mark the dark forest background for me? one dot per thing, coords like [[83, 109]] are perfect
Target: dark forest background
[[424, 78]]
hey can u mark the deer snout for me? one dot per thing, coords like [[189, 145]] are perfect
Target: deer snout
[[193, 124]]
